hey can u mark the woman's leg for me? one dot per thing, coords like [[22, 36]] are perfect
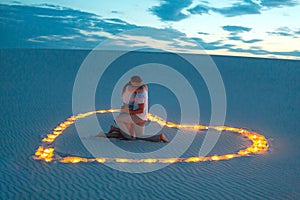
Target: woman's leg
[[125, 123], [110, 135], [138, 130], [138, 126], [114, 135], [155, 138]]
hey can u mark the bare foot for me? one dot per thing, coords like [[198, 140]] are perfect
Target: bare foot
[[163, 138], [113, 129], [101, 134]]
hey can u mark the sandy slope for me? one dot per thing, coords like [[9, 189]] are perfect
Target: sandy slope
[[36, 88]]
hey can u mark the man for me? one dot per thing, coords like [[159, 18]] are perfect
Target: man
[[134, 112], [133, 116]]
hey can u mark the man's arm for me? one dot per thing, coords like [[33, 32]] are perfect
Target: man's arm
[[139, 110]]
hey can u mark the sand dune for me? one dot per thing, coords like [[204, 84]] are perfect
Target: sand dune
[[36, 95]]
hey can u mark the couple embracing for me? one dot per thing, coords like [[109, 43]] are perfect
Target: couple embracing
[[133, 115]]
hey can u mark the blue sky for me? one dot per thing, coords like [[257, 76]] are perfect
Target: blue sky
[[256, 28]]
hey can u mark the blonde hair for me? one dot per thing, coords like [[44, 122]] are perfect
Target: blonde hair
[[136, 79]]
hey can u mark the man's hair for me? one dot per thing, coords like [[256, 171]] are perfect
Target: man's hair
[[136, 79]]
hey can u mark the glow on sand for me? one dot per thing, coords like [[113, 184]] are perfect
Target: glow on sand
[[47, 153]]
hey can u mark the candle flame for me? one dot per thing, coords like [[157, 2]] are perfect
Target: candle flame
[[47, 154]]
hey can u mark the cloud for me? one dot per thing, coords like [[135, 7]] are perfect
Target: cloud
[[252, 41], [280, 33], [238, 38], [256, 51], [48, 26], [251, 50], [71, 29], [236, 29], [171, 10], [221, 45], [152, 39], [284, 28], [203, 33], [288, 53], [216, 45], [279, 3], [246, 7], [200, 9], [235, 38], [243, 7], [284, 31]]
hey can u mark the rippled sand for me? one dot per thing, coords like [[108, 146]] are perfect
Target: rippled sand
[[36, 95]]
